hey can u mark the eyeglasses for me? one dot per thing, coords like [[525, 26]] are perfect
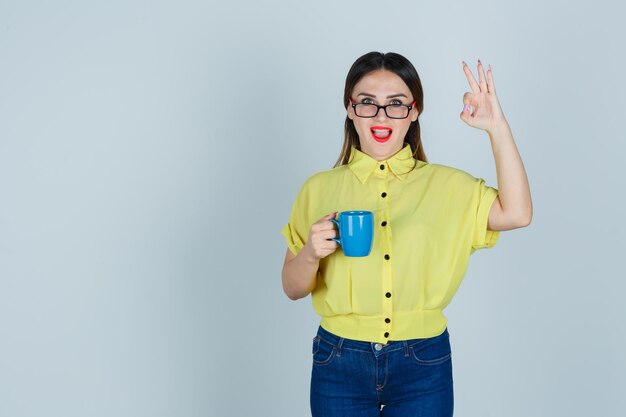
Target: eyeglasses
[[393, 111]]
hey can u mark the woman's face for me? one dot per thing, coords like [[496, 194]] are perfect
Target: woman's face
[[380, 136]]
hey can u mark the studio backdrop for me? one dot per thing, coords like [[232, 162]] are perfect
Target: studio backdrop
[[150, 153]]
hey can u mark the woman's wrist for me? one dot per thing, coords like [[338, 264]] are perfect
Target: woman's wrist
[[308, 255], [499, 129]]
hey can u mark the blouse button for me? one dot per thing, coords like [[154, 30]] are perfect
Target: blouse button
[[387, 321], [383, 224], [387, 257], [382, 167], [383, 195], [388, 295], [386, 334]]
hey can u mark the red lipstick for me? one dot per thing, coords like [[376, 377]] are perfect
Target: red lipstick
[[381, 134]]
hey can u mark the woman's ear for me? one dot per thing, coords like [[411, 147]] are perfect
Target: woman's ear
[[414, 114], [350, 112]]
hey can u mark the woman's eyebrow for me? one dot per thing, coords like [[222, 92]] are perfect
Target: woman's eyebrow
[[391, 96], [397, 95]]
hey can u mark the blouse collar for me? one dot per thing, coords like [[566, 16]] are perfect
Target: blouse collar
[[400, 164]]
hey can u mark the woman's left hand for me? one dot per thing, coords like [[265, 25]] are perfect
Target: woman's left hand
[[487, 114]]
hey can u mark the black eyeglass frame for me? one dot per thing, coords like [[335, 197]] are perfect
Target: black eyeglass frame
[[409, 107]]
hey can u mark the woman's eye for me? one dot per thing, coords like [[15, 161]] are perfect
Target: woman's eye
[[395, 102], [367, 101]]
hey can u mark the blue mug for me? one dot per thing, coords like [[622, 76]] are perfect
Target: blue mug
[[356, 232]]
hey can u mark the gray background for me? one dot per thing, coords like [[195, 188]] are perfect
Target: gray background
[[150, 154]]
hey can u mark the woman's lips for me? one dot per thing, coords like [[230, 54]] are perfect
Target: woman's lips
[[381, 134]]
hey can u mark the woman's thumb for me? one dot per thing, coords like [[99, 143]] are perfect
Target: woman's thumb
[[465, 114]]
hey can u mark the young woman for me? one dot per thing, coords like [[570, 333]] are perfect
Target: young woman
[[382, 348]]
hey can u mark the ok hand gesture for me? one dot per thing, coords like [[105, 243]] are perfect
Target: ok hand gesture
[[487, 114]]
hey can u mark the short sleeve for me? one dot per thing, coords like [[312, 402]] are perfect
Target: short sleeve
[[296, 230], [294, 240], [482, 237]]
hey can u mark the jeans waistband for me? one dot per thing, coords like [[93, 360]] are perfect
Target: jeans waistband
[[343, 343]]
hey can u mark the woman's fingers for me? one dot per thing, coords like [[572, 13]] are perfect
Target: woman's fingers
[[490, 84], [481, 77], [324, 223], [480, 107], [469, 98], [485, 81], [327, 234], [320, 235], [330, 245], [470, 103], [323, 242], [470, 78]]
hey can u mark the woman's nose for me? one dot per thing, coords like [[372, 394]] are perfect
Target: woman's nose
[[381, 115]]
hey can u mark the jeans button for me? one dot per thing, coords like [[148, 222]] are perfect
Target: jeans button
[[378, 346]]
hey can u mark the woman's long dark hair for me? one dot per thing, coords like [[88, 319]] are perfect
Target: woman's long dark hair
[[403, 68]]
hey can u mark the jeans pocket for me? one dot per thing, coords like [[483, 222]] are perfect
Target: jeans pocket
[[323, 352], [433, 351]]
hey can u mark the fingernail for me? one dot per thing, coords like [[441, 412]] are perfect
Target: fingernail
[[489, 67], [464, 64], [465, 108], [479, 63]]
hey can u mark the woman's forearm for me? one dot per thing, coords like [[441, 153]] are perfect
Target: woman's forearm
[[299, 275], [513, 187]]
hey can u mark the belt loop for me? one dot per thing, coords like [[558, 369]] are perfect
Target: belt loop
[[406, 348], [339, 344]]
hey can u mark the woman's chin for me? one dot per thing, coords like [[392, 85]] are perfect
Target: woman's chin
[[380, 150]]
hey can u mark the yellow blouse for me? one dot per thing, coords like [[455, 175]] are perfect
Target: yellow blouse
[[428, 219]]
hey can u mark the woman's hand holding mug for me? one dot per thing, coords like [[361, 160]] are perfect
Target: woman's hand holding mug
[[319, 244]]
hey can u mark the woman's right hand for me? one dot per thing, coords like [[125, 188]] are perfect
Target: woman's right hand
[[318, 245]]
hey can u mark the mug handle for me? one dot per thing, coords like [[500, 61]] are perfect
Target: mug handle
[[334, 238]]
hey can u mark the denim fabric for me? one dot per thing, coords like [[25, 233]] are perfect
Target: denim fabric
[[400, 379]]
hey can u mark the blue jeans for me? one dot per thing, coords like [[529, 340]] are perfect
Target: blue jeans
[[400, 379]]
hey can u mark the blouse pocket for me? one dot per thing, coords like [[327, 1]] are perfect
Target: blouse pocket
[[432, 351]]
